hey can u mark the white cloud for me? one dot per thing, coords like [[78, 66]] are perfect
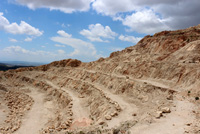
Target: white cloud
[[149, 16], [145, 21], [15, 49], [57, 45], [64, 34], [110, 7], [19, 53], [22, 28], [3, 21], [82, 50], [97, 32], [28, 39], [66, 6], [131, 39], [13, 40]]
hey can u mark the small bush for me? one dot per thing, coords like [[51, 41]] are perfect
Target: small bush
[[81, 132], [116, 131], [189, 92], [98, 131], [196, 98]]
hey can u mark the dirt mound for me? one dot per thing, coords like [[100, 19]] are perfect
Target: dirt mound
[[146, 88]]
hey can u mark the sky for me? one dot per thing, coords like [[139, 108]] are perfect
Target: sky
[[49, 30]]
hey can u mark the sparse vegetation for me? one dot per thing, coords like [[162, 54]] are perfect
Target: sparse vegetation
[[98, 131], [81, 132], [116, 131], [196, 98], [188, 93]]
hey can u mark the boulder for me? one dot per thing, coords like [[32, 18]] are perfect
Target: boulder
[[108, 117], [166, 110], [158, 114]]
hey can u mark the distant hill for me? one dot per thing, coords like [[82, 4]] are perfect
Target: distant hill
[[4, 67], [22, 63]]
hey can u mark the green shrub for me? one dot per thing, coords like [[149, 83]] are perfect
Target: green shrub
[[81, 132]]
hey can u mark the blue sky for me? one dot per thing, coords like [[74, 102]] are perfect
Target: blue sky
[[45, 30]]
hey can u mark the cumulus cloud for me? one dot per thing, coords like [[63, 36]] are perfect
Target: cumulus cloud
[[81, 48], [3, 21], [66, 6], [13, 40], [149, 16], [28, 39], [145, 21], [64, 34], [22, 28], [14, 28], [131, 39], [97, 32]]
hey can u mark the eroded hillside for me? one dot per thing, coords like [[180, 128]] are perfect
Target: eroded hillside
[[148, 88]]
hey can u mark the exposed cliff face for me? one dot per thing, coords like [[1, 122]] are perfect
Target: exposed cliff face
[[128, 91]]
